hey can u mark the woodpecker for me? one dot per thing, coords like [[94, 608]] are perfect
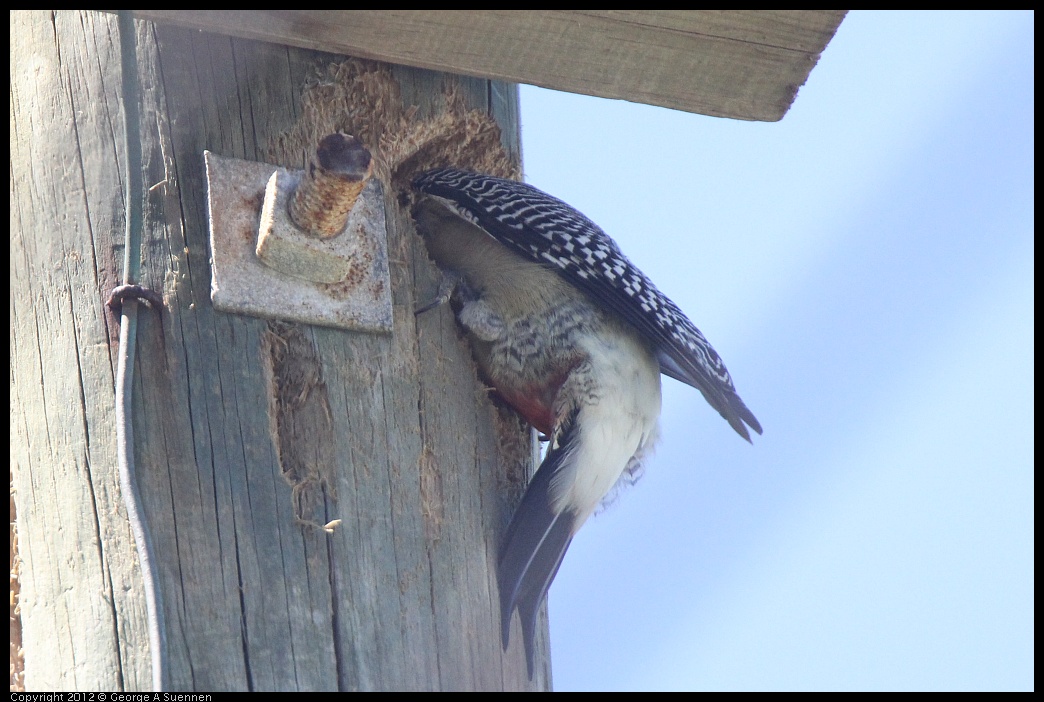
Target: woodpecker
[[574, 337]]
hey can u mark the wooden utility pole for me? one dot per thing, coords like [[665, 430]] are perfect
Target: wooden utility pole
[[391, 434]]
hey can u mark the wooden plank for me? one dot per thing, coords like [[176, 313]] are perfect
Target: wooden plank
[[412, 456], [798, 30], [739, 63]]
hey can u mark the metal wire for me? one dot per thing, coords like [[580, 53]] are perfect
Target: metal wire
[[125, 359]]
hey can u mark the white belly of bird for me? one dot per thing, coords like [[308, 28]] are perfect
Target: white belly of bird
[[618, 422]]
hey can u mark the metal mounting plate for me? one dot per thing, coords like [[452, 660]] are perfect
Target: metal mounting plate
[[241, 283]]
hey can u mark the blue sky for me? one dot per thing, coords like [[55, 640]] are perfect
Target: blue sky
[[865, 269]]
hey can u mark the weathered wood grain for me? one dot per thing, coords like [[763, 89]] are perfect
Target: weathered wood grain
[[743, 64], [420, 466]]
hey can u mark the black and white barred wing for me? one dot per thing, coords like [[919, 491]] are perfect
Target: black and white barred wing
[[547, 230]]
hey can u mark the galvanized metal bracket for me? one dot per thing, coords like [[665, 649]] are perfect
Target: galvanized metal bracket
[[283, 273]]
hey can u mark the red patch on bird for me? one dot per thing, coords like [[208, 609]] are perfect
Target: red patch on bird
[[536, 403], [533, 409]]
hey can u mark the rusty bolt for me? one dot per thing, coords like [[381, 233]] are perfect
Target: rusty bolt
[[330, 185]]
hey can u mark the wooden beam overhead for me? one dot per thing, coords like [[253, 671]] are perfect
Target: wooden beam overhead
[[742, 64]]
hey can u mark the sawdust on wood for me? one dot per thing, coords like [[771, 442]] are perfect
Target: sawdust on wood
[[363, 98]]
